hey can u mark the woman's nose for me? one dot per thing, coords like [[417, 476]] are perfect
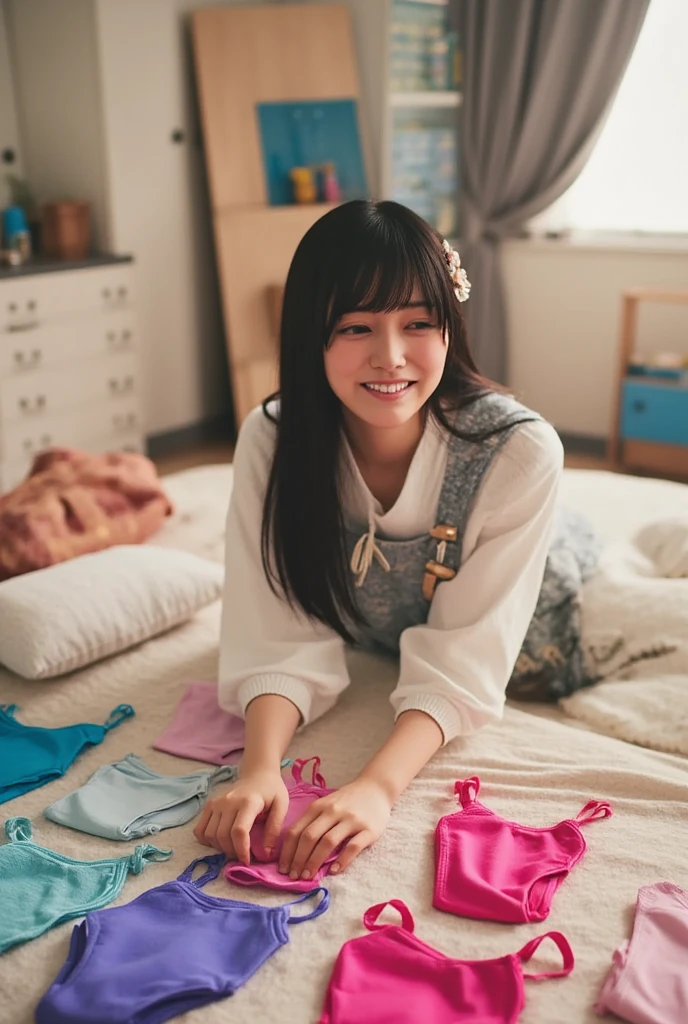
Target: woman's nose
[[388, 352]]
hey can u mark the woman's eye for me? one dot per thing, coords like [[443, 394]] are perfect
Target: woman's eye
[[422, 325], [354, 329]]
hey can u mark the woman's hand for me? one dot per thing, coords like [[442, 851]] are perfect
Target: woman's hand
[[357, 814], [227, 820]]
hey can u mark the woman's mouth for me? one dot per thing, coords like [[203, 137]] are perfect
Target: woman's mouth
[[388, 391]]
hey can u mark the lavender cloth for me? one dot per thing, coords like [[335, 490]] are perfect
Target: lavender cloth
[[201, 730]]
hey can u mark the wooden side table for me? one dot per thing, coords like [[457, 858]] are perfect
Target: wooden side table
[[649, 429]]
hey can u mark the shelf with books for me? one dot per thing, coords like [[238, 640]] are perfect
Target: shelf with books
[[423, 98], [426, 98]]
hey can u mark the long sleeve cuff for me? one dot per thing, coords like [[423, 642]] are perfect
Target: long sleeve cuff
[[439, 709], [290, 687]]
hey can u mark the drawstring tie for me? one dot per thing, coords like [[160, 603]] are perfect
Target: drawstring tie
[[365, 550]]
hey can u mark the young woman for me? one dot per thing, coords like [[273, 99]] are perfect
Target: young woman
[[388, 496]]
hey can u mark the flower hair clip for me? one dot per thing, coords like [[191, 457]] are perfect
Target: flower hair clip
[[456, 272]]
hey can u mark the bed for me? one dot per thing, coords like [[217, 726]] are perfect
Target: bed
[[538, 766]]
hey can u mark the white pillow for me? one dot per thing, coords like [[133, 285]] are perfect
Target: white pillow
[[59, 619]]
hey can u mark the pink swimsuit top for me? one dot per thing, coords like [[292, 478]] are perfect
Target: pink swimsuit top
[[496, 870], [393, 976], [263, 869]]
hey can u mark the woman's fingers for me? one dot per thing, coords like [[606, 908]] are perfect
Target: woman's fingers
[[325, 848], [293, 838], [275, 821], [201, 824], [211, 837], [240, 831], [356, 845], [311, 836]]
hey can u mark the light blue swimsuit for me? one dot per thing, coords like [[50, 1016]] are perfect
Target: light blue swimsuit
[[127, 800]]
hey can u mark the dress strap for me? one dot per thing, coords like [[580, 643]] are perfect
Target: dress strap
[[371, 915], [594, 810], [18, 830], [467, 790], [562, 944], [214, 862], [144, 854], [316, 778], [317, 911], [118, 715], [9, 709], [223, 773]]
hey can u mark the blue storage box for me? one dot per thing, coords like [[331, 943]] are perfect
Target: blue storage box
[[654, 412]]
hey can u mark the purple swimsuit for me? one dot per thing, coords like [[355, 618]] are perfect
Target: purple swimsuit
[[172, 949]]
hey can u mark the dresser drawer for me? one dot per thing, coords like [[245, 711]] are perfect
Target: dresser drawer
[[92, 429], [33, 300], [66, 343], [652, 412], [12, 473], [48, 393]]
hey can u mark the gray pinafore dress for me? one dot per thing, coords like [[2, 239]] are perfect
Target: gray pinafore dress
[[400, 576]]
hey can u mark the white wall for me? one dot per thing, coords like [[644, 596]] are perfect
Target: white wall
[[57, 95], [9, 138], [563, 315], [9, 134]]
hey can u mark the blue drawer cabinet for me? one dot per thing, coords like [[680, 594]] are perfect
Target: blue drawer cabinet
[[654, 412]]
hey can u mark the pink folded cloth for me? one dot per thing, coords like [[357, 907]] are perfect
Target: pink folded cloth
[[264, 870], [201, 730]]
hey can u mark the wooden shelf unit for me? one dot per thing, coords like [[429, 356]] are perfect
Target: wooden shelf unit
[[636, 454]]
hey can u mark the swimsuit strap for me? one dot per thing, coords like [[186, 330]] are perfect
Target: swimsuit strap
[[467, 790], [594, 810], [118, 715], [316, 778], [214, 863], [562, 945], [18, 830], [320, 909], [9, 709], [145, 853], [225, 771], [371, 915]]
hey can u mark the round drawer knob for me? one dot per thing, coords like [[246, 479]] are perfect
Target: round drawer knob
[[639, 405]]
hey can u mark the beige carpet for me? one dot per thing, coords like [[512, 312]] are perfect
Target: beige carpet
[[534, 770]]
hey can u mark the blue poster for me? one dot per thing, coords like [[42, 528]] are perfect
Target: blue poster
[[310, 134]]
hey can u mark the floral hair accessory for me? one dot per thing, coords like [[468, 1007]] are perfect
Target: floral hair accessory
[[456, 272]]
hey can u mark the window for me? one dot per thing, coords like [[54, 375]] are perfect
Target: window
[[637, 176]]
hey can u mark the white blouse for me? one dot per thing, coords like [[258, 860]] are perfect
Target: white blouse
[[456, 666]]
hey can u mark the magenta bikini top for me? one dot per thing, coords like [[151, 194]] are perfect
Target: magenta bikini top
[[392, 975], [496, 870]]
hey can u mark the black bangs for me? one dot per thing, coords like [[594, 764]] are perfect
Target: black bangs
[[381, 261]]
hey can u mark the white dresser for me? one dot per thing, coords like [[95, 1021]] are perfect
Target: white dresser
[[69, 364]]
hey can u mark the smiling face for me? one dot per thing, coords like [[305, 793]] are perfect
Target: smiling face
[[384, 366]]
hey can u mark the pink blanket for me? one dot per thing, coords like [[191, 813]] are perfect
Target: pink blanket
[[73, 503]]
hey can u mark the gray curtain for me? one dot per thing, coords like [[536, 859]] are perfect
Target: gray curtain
[[539, 79]]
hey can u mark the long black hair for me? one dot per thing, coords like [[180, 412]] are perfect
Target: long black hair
[[361, 255]]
